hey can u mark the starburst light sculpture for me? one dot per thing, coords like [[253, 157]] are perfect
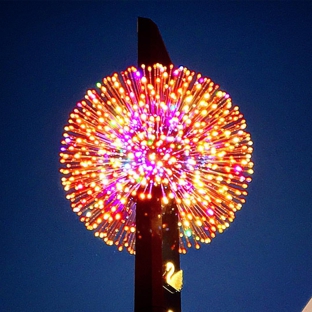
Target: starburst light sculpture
[[168, 128]]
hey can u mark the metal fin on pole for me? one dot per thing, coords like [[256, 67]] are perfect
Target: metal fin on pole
[[151, 47]]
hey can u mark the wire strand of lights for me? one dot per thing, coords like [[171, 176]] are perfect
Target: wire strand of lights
[[157, 126]]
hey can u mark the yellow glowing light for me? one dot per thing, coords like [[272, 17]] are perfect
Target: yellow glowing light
[[174, 279], [178, 131]]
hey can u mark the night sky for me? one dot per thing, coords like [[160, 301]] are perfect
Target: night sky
[[259, 52]]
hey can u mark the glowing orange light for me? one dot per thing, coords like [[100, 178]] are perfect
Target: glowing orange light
[[178, 131]]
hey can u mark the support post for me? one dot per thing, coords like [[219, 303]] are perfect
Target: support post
[[148, 260], [157, 233]]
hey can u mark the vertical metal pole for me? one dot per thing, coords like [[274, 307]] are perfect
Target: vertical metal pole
[[148, 260], [170, 252], [157, 233], [151, 48]]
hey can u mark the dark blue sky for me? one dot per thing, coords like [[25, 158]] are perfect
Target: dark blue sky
[[259, 52]]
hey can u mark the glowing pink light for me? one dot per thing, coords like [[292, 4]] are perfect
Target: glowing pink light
[[238, 168], [210, 212]]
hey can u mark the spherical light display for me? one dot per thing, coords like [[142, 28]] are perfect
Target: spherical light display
[[169, 128]]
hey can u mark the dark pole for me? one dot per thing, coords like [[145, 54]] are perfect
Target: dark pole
[[170, 252], [157, 233], [148, 261], [151, 48]]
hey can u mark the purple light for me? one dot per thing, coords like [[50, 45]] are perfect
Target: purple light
[[210, 212], [238, 168]]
